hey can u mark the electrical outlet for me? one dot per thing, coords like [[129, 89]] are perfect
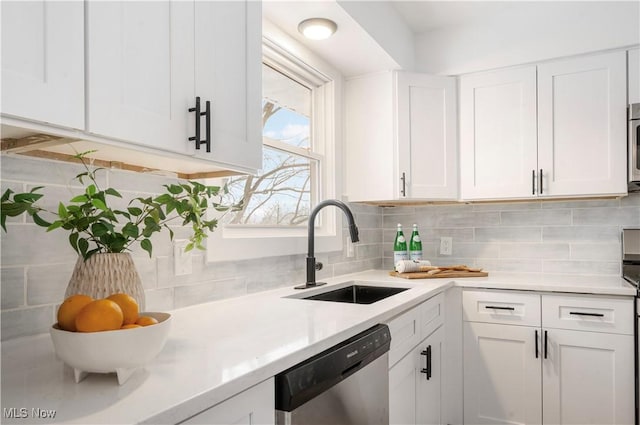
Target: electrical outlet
[[182, 261], [446, 245]]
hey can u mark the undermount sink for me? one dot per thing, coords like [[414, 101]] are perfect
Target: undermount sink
[[357, 294]]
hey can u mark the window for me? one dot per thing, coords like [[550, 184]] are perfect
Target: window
[[286, 188], [301, 134]]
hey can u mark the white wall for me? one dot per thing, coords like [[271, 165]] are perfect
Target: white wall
[[385, 25], [534, 32]]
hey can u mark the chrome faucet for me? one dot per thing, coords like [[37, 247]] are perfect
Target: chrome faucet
[[312, 265]]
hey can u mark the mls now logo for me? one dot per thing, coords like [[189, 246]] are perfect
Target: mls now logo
[[23, 412]]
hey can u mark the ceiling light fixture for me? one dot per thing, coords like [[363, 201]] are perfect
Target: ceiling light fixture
[[317, 28]]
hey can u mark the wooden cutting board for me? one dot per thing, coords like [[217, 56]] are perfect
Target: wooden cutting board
[[445, 273]]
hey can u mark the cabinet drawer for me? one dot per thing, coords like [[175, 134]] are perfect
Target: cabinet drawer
[[587, 313], [511, 308], [405, 334], [409, 328], [431, 315]]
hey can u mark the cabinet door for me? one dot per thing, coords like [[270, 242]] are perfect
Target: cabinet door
[[429, 388], [498, 133], [228, 73], [588, 378], [403, 379], [140, 72], [427, 135], [502, 374], [582, 126], [250, 407], [43, 61]]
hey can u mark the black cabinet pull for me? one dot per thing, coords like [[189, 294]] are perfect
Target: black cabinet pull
[[536, 343], [427, 370], [541, 181], [533, 182], [404, 185], [497, 307], [546, 344], [580, 313], [198, 115]]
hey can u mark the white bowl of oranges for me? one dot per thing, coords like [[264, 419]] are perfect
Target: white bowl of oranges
[[107, 335]]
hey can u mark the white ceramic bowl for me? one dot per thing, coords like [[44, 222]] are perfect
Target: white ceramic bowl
[[122, 351]]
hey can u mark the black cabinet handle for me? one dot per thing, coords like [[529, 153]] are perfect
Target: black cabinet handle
[[404, 185], [196, 109], [580, 313], [198, 115], [497, 307], [533, 182], [541, 181], [536, 331], [546, 344], [427, 370]]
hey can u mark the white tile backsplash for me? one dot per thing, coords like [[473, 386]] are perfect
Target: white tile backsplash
[[36, 265], [577, 236]]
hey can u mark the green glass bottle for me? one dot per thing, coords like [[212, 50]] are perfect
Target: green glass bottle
[[400, 246], [415, 245]]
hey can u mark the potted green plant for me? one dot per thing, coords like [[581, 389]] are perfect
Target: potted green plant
[[103, 236]]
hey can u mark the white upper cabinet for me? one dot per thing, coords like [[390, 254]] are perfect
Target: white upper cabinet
[[555, 130], [43, 61], [401, 137], [148, 61], [498, 133], [140, 72], [582, 126], [228, 73]]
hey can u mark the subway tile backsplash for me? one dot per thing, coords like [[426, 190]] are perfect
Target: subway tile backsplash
[[36, 265], [576, 236]]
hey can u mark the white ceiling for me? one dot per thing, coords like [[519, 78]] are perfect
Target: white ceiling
[[351, 49], [423, 16]]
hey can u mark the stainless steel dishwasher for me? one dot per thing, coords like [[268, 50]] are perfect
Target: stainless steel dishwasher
[[346, 384]]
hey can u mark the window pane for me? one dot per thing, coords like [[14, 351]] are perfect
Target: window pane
[[286, 108], [280, 195]]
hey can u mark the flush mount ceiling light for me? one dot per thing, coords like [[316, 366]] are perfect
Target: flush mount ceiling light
[[317, 28]]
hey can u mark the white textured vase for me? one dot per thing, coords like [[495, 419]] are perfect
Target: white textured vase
[[106, 274]]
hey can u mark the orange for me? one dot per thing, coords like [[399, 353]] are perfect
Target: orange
[[99, 315], [130, 326], [146, 321], [128, 305], [69, 309]]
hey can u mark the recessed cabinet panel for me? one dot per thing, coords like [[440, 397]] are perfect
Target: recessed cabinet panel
[[586, 378], [43, 61], [427, 135], [503, 380], [498, 133], [140, 72], [581, 125]]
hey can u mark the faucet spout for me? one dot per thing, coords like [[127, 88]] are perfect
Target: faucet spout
[[312, 266]]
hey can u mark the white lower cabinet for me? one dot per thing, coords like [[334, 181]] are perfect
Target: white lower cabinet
[[502, 376], [415, 374], [250, 407], [574, 366]]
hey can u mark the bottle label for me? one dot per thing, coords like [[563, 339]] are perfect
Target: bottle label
[[416, 238], [399, 256], [401, 239], [416, 255]]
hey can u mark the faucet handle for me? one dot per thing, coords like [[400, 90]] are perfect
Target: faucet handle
[[319, 265]]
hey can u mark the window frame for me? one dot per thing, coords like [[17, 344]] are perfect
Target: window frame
[[255, 241]]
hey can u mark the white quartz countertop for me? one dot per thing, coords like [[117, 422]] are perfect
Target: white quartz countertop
[[218, 349]]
